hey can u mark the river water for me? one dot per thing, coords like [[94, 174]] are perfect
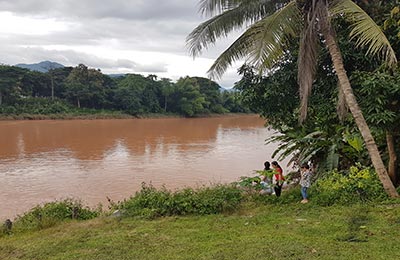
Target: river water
[[42, 161]]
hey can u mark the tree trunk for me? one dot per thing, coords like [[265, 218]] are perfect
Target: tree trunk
[[1, 98], [52, 87], [78, 102], [355, 110], [392, 157]]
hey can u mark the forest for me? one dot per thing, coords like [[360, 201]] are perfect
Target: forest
[[86, 90]]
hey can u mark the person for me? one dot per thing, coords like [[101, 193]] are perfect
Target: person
[[266, 179], [305, 181], [279, 179]]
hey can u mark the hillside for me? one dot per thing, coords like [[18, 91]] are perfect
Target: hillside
[[43, 66]]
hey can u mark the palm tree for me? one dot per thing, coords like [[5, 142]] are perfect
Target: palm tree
[[270, 25]]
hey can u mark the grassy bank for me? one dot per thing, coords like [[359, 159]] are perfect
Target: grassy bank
[[255, 231], [348, 217]]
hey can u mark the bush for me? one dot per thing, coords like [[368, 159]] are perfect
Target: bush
[[150, 202], [38, 105], [52, 213], [360, 184]]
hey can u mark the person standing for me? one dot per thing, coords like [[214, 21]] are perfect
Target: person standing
[[279, 179], [305, 181], [266, 179]]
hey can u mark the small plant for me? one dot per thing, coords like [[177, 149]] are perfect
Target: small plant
[[249, 182]]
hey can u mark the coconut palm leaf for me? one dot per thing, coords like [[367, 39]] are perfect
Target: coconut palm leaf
[[365, 31], [214, 7], [231, 15], [263, 43], [307, 62]]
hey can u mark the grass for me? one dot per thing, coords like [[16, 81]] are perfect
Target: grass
[[255, 231]]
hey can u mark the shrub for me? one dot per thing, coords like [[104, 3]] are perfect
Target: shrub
[[359, 184], [150, 202], [52, 213], [38, 105]]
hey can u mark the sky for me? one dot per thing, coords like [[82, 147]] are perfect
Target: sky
[[119, 36]]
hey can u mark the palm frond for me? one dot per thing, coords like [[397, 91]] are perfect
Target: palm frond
[[230, 15], [213, 7], [307, 62], [365, 31], [263, 43]]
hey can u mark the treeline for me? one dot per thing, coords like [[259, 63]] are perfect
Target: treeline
[[68, 89]]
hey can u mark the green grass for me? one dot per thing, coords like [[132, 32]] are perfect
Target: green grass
[[255, 231]]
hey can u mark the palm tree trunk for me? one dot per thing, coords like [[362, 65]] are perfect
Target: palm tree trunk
[[355, 110], [392, 157]]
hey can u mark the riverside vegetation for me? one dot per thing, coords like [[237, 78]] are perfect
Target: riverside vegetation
[[85, 92], [349, 217]]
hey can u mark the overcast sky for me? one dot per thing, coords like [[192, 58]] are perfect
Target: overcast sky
[[118, 36]]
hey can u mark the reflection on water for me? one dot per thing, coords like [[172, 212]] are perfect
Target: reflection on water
[[42, 161]]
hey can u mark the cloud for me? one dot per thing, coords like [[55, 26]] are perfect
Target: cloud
[[93, 9], [115, 36]]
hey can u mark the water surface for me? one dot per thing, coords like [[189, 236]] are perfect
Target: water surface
[[42, 161]]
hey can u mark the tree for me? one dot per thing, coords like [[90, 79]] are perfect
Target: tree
[[85, 87], [380, 92], [167, 89], [187, 99], [10, 81], [265, 42], [211, 91]]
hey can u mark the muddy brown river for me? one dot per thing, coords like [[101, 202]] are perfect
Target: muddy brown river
[[42, 161]]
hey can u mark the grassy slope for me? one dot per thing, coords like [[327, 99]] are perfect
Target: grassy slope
[[263, 232]]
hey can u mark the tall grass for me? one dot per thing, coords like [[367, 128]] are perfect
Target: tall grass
[[150, 202]]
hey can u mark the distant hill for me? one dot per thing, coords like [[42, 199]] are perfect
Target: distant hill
[[116, 75], [43, 66]]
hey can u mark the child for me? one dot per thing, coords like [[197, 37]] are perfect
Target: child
[[305, 181]]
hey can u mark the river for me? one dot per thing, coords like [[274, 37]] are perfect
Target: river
[[42, 161]]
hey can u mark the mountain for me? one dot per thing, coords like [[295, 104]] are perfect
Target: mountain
[[43, 66]]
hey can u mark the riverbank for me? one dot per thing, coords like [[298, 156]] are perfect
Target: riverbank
[[254, 231], [106, 115]]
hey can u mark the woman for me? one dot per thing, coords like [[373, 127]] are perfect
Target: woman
[[279, 179]]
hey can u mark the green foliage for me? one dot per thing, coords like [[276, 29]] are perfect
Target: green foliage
[[87, 88], [380, 95], [37, 106], [359, 184], [52, 213], [249, 182], [392, 27], [150, 202], [189, 100]]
